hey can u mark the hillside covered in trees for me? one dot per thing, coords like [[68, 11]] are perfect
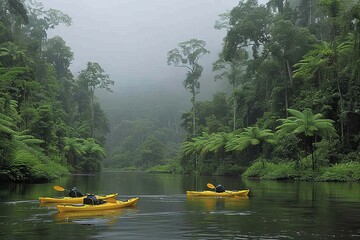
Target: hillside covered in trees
[[294, 110], [50, 121]]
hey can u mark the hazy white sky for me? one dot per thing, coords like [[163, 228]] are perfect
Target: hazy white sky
[[130, 38]]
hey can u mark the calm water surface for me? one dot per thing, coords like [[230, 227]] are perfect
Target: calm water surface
[[273, 210]]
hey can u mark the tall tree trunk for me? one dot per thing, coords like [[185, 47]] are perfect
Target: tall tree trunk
[[193, 100], [234, 107], [92, 115], [288, 84], [4, 9], [286, 102], [313, 160], [289, 71], [342, 111], [310, 13], [312, 157]]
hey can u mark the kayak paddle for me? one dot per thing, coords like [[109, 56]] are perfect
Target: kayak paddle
[[59, 188], [111, 200]]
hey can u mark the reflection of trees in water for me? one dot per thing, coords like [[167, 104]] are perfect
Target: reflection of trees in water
[[216, 203], [205, 214]]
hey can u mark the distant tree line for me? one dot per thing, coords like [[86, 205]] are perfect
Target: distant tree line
[[145, 132], [294, 109], [50, 121]]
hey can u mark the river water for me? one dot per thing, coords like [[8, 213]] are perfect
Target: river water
[[273, 210]]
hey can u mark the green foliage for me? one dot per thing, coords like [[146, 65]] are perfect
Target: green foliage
[[84, 154], [256, 170], [152, 151], [90, 79], [187, 56], [341, 172], [94, 77], [247, 27], [59, 55], [142, 142], [14, 7], [307, 123], [271, 171], [26, 166], [167, 168], [120, 159], [323, 48], [276, 58], [88, 165], [229, 169], [39, 112], [281, 171], [250, 136]]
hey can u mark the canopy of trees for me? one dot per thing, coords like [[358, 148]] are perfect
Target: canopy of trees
[[294, 71], [50, 121]]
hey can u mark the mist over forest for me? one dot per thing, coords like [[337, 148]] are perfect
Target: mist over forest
[[265, 89], [145, 86]]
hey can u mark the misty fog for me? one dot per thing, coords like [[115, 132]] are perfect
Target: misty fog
[[130, 40]]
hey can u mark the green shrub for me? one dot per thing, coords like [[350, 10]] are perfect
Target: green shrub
[[49, 171], [271, 171], [229, 169], [255, 170], [129, 169], [88, 164], [26, 166], [280, 171], [287, 148], [341, 172], [305, 169], [207, 167], [161, 169]]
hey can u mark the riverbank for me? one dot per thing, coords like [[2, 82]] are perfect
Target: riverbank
[[340, 172], [301, 171]]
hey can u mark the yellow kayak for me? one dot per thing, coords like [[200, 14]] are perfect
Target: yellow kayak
[[103, 206], [233, 193], [74, 199]]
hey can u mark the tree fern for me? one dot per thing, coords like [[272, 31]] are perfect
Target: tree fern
[[188, 148], [307, 123], [250, 136]]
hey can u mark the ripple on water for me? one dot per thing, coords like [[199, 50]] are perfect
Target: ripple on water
[[232, 213]]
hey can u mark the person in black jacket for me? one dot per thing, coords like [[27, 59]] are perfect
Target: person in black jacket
[[75, 193], [219, 188]]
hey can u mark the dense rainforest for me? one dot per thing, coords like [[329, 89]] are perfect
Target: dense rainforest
[[51, 122], [292, 111]]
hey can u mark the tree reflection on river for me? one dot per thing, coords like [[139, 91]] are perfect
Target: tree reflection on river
[[273, 210]]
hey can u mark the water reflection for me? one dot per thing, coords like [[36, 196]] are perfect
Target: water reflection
[[274, 210], [216, 203], [48, 205], [91, 217]]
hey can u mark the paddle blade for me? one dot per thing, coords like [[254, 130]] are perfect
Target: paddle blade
[[58, 188], [209, 185], [111, 200]]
